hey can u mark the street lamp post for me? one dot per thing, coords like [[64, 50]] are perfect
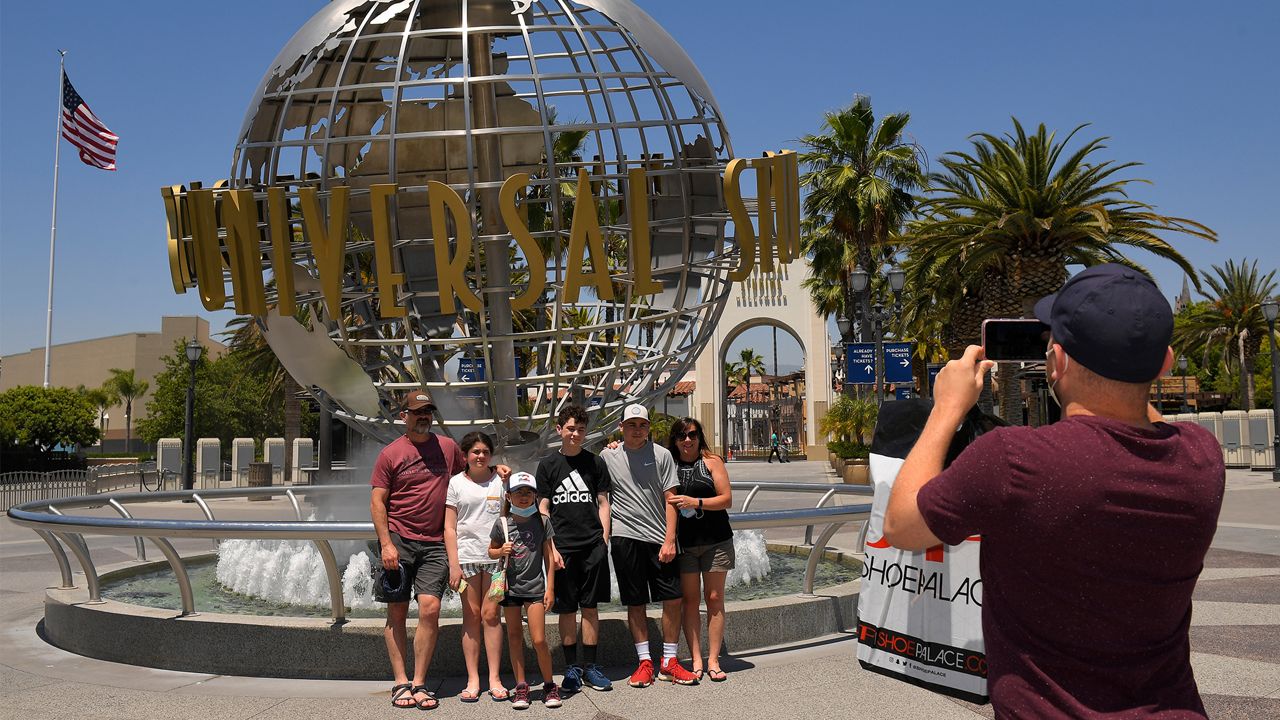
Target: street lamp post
[[194, 350], [104, 419], [1270, 309], [1182, 370], [845, 326], [860, 280]]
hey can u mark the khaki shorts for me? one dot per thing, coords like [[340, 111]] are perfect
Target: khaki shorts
[[707, 558]]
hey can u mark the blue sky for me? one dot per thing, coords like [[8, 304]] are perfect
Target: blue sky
[[1186, 88]]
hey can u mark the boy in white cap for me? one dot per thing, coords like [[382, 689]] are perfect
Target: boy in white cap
[[643, 543]]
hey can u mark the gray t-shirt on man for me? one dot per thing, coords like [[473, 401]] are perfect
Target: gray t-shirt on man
[[637, 505]]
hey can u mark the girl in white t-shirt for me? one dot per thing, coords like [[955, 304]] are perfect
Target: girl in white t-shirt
[[471, 508]]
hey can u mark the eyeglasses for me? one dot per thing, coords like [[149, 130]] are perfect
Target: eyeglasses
[[423, 411], [691, 435]]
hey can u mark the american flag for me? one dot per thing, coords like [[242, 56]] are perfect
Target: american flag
[[83, 129]]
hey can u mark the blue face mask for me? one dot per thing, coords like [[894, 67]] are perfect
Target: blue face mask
[[524, 511]]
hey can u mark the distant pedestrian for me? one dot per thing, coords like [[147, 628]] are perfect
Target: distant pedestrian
[[774, 450], [643, 545], [523, 537], [706, 539]]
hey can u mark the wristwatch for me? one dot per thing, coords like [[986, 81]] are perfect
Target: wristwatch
[[699, 503]]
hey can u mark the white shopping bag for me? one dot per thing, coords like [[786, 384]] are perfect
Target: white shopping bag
[[919, 613]]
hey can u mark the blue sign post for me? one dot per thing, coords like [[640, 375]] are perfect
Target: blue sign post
[[470, 369], [904, 393], [861, 369], [897, 362], [933, 369]]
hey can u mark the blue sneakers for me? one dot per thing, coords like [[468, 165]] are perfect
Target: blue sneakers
[[596, 679], [572, 682]]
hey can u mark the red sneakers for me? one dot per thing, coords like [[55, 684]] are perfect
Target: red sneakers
[[643, 676], [673, 671]]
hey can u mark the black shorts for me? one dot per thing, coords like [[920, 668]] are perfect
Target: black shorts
[[641, 578], [428, 565], [519, 600], [583, 582]]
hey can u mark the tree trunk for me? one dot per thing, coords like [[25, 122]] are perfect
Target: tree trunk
[[1246, 375], [1010, 394], [128, 426], [292, 420]]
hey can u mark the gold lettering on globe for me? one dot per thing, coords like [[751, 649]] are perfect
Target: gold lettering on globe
[[216, 234]]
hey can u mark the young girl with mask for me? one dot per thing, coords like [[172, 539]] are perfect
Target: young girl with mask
[[523, 537]]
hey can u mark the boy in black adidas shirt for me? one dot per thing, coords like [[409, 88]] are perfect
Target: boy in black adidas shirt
[[574, 486]]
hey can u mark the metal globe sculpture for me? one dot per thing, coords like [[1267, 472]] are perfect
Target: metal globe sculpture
[[510, 204]]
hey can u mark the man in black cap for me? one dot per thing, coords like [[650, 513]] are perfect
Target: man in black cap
[[1094, 529]]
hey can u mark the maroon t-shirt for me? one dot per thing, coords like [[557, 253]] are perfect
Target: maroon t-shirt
[[1093, 534], [417, 477]]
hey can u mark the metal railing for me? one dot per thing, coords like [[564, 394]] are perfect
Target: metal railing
[[27, 486], [48, 519]]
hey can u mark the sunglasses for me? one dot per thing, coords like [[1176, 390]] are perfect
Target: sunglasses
[[690, 435], [422, 411]]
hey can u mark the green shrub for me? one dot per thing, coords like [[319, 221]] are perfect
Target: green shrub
[[849, 450]]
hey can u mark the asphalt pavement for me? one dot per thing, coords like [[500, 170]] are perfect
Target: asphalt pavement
[[1235, 639]]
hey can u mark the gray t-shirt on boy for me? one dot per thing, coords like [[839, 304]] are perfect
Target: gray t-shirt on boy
[[637, 506], [525, 564]]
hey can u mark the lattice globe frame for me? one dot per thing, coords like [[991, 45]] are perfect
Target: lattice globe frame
[[404, 92]]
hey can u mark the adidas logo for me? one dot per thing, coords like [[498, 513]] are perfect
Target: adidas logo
[[572, 490]]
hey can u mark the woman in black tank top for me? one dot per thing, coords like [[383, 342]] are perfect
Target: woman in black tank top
[[706, 539]]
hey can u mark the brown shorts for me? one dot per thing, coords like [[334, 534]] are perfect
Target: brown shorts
[[707, 558]]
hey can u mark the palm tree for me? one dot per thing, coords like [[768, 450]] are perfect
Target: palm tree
[[100, 399], [123, 386], [860, 174], [1230, 323], [1005, 219]]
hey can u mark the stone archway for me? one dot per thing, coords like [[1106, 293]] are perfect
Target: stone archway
[[768, 299]]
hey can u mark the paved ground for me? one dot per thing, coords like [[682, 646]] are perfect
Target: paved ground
[[1235, 640]]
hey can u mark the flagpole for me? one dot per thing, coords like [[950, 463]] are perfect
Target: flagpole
[[53, 227]]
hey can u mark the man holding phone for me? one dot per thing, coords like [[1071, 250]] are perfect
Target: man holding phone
[[1094, 529]]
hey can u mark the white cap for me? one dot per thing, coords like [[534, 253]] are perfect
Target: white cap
[[635, 411], [521, 480]]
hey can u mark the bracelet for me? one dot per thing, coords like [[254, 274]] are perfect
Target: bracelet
[[699, 503]]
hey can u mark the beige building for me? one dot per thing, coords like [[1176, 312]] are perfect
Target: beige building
[[89, 362]]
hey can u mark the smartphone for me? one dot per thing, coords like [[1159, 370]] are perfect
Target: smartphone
[[1015, 339]]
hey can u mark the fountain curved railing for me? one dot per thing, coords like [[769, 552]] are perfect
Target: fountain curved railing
[[48, 519]]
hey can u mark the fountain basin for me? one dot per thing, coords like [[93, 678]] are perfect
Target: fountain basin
[[301, 647]]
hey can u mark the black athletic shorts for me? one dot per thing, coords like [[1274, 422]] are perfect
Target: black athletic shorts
[[519, 600], [641, 578], [583, 582]]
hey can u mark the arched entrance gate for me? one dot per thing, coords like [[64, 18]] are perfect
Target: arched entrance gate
[[768, 299]]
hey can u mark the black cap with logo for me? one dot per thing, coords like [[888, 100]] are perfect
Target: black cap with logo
[[1113, 320]]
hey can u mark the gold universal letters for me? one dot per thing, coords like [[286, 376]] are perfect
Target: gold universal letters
[[520, 231], [450, 270], [240, 218], [282, 259], [388, 280], [327, 243], [200, 212], [585, 238]]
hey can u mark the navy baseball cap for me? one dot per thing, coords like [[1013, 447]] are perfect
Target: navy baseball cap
[[1113, 320]]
